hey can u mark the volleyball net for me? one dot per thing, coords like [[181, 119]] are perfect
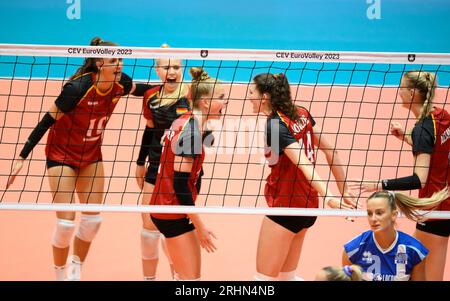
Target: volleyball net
[[353, 96]]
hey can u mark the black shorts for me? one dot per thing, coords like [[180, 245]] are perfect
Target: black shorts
[[173, 227], [152, 172], [51, 163], [436, 227], [293, 223]]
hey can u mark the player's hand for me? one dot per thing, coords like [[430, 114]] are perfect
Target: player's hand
[[15, 172], [205, 237], [362, 186], [350, 200], [337, 203], [396, 129], [140, 174]]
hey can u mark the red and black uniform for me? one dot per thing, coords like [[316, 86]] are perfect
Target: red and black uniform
[[286, 185], [432, 136], [76, 138], [162, 117], [183, 139]]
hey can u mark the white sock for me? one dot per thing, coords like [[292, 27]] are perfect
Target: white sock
[[262, 277], [149, 278], [177, 278], [287, 276], [60, 273], [74, 269]]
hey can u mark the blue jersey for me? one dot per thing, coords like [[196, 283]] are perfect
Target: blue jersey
[[393, 264]]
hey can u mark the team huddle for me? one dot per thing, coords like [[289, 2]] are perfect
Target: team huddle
[[169, 172]]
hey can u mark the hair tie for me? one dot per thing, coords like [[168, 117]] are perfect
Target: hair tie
[[204, 76], [391, 194], [348, 270]]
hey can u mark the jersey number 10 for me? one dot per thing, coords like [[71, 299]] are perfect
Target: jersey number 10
[[96, 128]]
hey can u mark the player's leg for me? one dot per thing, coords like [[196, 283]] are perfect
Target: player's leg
[[62, 181], [150, 235], [182, 245], [149, 238], [273, 247], [434, 236], [298, 225], [90, 188], [166, 252], [288, 271], [186, 257]]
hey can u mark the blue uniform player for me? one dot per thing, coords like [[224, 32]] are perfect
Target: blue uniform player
[[384, 253], [397, 262]]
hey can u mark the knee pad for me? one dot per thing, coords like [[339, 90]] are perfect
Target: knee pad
[[89, 226], [63, 233], [149, 244]]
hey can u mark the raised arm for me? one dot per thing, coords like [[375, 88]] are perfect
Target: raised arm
[[396, 129]]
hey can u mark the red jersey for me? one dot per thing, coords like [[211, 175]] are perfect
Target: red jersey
[[439, 171], [182, 139], [76, 138], [286, 184]]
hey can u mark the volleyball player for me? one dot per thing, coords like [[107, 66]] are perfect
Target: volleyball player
[[293, 180], [431, 150], [178, 180], [383, 253], [76, 121], [162, 105]]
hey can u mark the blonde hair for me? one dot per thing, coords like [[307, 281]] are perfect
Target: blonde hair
[[346, 273], [159, 61], [202, 84], [409, 205], [168, 99], [425, 84]]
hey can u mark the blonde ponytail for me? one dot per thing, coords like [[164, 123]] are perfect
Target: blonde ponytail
[[409, 205], [425, 84]]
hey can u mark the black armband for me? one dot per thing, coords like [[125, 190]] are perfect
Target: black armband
[[147, 139], [405, 183], [140, 89], [181, 187], [36, 135]]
